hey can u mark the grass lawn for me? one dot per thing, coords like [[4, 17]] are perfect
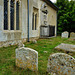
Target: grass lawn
[[7, 56]]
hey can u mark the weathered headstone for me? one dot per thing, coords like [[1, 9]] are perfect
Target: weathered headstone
[[61, 64], [72, 35], [27, 58], [65, 34], [66, 47]]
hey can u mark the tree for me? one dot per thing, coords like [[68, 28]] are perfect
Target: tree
[[66, 15]]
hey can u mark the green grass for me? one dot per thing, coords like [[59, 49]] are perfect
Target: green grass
[[7, 56]]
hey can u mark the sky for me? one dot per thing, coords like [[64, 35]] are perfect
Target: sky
[[55, 1]]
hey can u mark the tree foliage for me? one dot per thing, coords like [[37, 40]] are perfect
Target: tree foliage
[[66, 15]]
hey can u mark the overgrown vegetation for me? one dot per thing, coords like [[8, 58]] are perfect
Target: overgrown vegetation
[[7, 56], [66, 15]]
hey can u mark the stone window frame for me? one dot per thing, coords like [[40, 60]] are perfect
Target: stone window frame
[[34, 26], [15, 30]]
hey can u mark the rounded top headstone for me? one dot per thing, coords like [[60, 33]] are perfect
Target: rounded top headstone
[[61, 64]]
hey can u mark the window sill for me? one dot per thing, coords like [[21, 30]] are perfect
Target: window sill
[[11, 31]]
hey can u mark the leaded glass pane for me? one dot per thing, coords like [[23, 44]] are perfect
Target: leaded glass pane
[[17, 15], [33, 21], [12, 15], [5, 15]]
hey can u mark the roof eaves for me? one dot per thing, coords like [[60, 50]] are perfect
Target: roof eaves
[[52, 4]]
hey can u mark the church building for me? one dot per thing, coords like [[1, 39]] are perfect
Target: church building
[[25, 20]]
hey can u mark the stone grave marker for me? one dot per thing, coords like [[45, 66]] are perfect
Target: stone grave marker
[[72, 35], [61, 64], [65, 34], [66, 47], [27, 58]]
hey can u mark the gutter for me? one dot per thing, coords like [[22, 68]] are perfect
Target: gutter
[[28, 19], [56, 22]]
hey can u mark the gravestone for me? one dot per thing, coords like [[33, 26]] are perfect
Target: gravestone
[[27, 58], [66, 47], [72, 35], [65, 34], [61, 64]]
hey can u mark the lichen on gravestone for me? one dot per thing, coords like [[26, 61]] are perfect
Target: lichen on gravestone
[[27, 58], [61, 64]]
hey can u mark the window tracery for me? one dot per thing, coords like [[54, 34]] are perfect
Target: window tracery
[[11, 14]]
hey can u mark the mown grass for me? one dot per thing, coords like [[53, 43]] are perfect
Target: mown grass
[[7, 56]]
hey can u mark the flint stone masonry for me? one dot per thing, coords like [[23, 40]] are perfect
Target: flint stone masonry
[[65, 34], [72, 35], [27, 58], [61, 64], [9, 43], [15, 42], [66, 47]]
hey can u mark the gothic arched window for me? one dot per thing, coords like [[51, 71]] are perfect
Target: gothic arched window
[[12, 15], [5, 15], [17, 15], [33, 21], [34, 18]]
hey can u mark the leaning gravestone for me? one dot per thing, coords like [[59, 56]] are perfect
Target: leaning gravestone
[[61, 64], [65, 34], [27, 58], [72, 35]]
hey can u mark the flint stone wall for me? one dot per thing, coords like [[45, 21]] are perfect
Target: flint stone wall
[[12, 42], [65, 34], [15, 42], [61, 64], [27, 58]]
